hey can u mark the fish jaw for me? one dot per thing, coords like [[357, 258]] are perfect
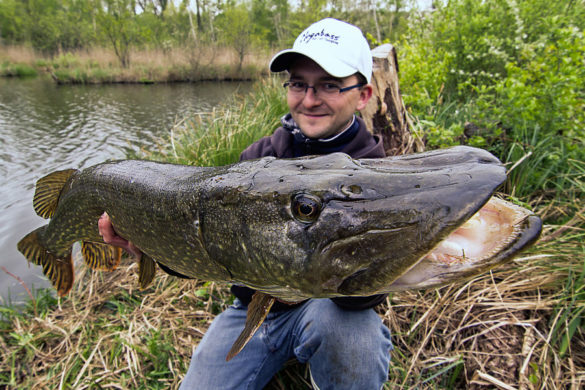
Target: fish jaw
[[497, 233]]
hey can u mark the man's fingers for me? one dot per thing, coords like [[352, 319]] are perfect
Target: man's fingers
[[133, 250], [106, 230], [105, 227]]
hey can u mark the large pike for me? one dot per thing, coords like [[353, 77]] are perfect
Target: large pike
[[313, 227]]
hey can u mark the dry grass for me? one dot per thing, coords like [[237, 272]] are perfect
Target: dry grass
[[17, 54], [495, 331], [101, 65]]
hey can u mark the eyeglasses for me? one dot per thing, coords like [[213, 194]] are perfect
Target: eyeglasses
[[322, 89]]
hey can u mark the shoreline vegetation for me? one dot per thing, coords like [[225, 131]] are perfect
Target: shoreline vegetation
[[507, 76], [101, 66]]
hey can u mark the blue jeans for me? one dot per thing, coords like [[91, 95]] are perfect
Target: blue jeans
[[345, 349]]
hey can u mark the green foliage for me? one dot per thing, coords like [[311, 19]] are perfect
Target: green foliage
[[53, 26], [65, 61], [515, 70], [17, 70], [374, 42], [237, 29], [157, 351], [13, 19], [119, 26], [540, 105], [423, 73], [440, 137]]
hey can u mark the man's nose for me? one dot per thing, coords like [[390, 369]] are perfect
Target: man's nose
[[311, 98]]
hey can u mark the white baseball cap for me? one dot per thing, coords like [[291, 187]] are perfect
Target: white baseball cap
[[338, 47]]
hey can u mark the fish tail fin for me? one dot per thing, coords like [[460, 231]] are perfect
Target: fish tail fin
[[59, 270], [146, 271], [101, 256], [47, 192]]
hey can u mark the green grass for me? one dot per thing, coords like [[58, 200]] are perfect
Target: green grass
[[17, 70]]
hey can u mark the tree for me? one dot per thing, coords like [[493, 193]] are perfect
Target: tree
[[13, 22], [118, 22], [237, 30]]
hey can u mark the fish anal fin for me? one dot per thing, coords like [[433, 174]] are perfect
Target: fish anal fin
[[101, 256], [47, 192], [257, 311], [146, 271], [58, 269]]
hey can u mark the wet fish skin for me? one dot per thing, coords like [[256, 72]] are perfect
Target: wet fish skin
[[294, 228]]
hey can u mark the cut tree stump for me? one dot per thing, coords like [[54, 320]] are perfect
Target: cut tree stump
[[385, 114]]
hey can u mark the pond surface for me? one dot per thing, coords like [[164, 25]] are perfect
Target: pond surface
[[45, 127]]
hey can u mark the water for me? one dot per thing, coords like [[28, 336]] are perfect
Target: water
[[45, 127]]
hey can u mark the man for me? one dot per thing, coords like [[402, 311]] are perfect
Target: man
[[343, 340]]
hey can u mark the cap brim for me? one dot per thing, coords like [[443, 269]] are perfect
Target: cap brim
[[284, 59]]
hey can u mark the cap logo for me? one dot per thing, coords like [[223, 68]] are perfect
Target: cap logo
[[321, 36]]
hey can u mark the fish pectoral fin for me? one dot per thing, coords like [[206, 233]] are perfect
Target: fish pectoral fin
[[257, 311], [101, 256], [47, 192], [146, 271], [59, 270]]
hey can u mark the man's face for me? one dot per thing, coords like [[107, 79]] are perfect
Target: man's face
[[323, 116]]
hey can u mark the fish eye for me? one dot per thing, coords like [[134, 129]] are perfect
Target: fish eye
[[306, 208]]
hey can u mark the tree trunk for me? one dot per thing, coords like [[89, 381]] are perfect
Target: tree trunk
[[193, 35], [378, 36], [199, 26], [385, 114]]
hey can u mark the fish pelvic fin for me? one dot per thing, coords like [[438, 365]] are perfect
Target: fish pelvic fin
[[59, 270], [146, 271], [48, 190], [257, 311], [101, 256]]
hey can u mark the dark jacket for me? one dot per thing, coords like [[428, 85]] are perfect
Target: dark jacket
[[287, 142]]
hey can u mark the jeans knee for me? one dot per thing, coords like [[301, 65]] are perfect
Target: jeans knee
[[351, 325], [342, 332], [346, 349]]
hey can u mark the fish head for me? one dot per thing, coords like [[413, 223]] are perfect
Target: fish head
[[333, 226]]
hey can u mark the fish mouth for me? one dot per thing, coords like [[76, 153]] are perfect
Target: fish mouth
[[492, 236], [384, 260], [347, 258]]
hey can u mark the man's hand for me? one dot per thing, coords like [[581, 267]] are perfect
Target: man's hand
[[109, 235]]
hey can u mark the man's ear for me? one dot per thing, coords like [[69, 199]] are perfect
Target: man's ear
[[365, 95]]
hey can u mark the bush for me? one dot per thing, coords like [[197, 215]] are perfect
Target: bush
[[540, 106], [515, 70]]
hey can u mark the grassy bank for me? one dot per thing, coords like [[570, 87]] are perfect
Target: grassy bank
[[100, 65], [519, 326]]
